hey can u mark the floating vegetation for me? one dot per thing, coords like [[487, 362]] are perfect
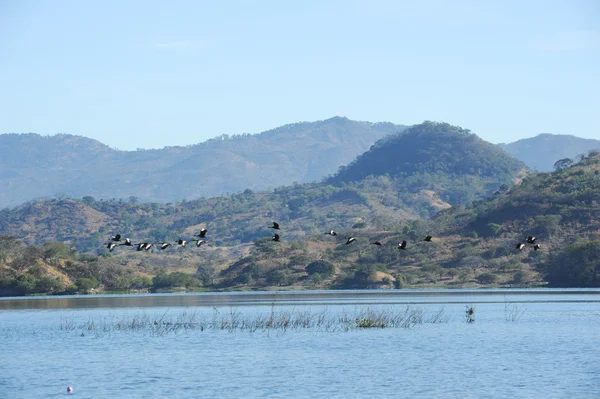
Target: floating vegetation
[[280, 320]]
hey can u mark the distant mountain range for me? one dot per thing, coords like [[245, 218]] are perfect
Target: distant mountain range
[[542, 151], [38, 167], [34, 166], [431, 166]]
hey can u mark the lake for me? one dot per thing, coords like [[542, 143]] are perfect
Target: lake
[[538, 343]]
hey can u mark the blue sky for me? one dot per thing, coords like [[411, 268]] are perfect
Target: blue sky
[[149, 74]]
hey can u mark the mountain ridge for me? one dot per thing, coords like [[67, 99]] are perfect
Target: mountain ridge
[[542, 151], [35, 167], [76, 166]]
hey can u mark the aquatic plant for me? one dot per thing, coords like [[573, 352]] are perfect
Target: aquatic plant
[[512, 311], [279, 320]]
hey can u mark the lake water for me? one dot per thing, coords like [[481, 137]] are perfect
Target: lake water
[[523, 344]]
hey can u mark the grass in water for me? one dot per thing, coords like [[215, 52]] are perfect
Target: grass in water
[[513, 311], [276, 320]]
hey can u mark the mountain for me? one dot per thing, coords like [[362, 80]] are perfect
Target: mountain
[[448, 160], [542, 151], [429, 167], [34, 166], [473, 245]]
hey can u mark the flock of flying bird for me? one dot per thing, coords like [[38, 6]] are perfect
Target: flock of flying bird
[[529, 240], [116, 241]]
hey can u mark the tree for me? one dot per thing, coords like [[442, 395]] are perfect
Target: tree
[[206, 274], [563, 163], [88, 200], [486, 278], [48, 284], [324, 268], [315, 279], [549, 223], [494, 228], [277, 277], [86, 284], [25, 283], [55, 250], [578, 265]]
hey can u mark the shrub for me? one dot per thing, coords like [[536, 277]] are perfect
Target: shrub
[[175, 279], [578, 265], [324, 268], [48, 284], [486, 278], [277, 277], [86, 284]]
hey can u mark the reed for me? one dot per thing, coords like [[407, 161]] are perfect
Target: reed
[[279, 320], [512, 311]]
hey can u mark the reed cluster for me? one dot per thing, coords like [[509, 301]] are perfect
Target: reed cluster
[[279, 320]]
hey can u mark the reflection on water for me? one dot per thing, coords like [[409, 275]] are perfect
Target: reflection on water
[[365, 297]]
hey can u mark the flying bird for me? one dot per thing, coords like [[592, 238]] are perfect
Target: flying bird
[[427, 238], [116, 237], [402, 245], [199, 242], [141, 246], [275, 237], [275, 226], [111, 246], [148, 246], [537, 246], [164, 245], [520, 246], [181, 242], [202, 233], [350, 239], [127, 242], [331, 233], [531, 239]]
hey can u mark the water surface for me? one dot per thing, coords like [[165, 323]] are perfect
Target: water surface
[[523, 344]]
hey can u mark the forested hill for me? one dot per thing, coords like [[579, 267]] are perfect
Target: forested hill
[[34, 166], [449, 160], [542, 151], [561, 209], [472, 245]]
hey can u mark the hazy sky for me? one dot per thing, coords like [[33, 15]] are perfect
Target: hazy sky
[[150, 74]]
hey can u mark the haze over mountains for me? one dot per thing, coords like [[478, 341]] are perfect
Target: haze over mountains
[[540, 152], [34, 166]]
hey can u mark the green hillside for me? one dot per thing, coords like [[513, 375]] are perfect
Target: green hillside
[[473, 244], [450, 161]]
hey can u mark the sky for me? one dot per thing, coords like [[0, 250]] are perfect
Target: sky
[[150, 74]]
